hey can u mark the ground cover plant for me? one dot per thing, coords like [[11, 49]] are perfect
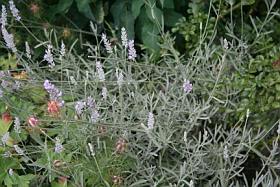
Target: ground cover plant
[[104, 115]]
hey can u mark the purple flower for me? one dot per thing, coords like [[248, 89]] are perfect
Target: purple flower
[[79, 106], [14, 10], [58, 146], [9, 39], [5, 138], [54, 93], [94, 115], [3, 16], [90, 102], [107, 43], [100, 71], [124, 37], [187, 86], [49, 57], [131, 50]]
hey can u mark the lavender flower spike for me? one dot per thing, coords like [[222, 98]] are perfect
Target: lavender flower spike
[[151, 120], [3, 16], [58, 146], [54, 93], [9, 39], [14, 10], [100, 71], [5, 138], [124, 37], [187, 86], [107, 43], [131, 50], [79, 106], [49, 57]]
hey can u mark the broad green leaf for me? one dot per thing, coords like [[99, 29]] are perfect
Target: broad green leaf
[[136, 7], [154, 14], [171, 17], [116, 9], [61, 7], [84, 8], [4, 127]]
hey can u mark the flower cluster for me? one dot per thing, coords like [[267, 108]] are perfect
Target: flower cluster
[[100, 71], [62, 51], [89, 105], [107, 43], [49, 57], [58, 146], [187, 86], [5, 138], [17, 125], [119, 76], [14, 10], [54, 93], [124, 37], [27, 50], [104, 93], [131, 50], [18, 150], [128, 44], [151, 120], [3, 16], [9, 39]]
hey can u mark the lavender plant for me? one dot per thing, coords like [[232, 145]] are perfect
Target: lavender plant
[[122, 121]]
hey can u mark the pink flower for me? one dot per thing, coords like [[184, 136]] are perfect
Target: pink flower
[[33, 121]]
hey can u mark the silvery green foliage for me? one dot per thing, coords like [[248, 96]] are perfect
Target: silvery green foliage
[[188, 144], [185, 146]]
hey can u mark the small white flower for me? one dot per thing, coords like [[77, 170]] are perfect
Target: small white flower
[[10, 171], [3, 16], [191, 184], [151, 120], [49, 57], [9, 39], [94, 115], [5, 138], [226, 152], [18, 150], [104, 93], [92, 153], [225, 44], [14, 10], [17, 125], [131, 50], [62, 50], [100, 71], [58, 146], [107, 43], [119, 76], [247, 113], [124, 37], [185, 136], [27, 50]]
